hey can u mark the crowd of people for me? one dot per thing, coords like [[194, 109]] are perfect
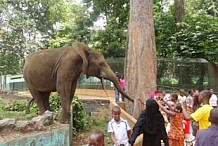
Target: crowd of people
[[191, 120]]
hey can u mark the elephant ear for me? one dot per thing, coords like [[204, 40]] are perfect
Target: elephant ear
[[82, 51]]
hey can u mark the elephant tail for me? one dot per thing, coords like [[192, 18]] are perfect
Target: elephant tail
[[30, 103]]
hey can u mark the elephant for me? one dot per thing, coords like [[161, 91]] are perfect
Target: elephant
[[58, 69]]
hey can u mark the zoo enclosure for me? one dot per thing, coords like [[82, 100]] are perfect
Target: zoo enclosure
[[172, 74]]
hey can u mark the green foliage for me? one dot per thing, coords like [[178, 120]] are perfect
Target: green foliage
[[200, 37], [28, 26], [164, 30], [75, 28], [55, 101], [78, 115], [16, 115], [16, 105], [197, 37], [111, 40], [168, 80], [34, 108]]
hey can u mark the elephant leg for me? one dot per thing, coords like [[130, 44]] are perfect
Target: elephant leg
[[46, 101], [66, 94], [38, 99]]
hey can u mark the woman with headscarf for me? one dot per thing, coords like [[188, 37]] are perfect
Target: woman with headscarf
[[151, 124]]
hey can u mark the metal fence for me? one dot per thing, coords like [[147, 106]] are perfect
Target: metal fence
[[172, 74]]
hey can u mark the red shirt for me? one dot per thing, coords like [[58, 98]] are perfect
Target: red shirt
[[187, 126]]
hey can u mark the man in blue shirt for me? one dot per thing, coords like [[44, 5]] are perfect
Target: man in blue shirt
[[209, 136]]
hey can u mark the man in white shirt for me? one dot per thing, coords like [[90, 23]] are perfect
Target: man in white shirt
[[213, 99]]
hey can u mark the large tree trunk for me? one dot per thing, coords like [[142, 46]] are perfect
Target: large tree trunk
[[179, 10], [213, 76], [140, 64], [179, 17]]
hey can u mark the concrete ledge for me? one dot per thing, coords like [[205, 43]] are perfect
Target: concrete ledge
[[94, 92], [57, 137], [131, 121]]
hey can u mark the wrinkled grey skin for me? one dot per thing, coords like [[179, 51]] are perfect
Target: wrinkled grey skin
[[59, 69]]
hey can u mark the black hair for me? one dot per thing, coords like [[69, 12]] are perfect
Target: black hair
[[178, 106], [190, 91], [206, 93], [116, 108], [214, 116], [175, 96]]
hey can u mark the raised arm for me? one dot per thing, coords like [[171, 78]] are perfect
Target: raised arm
[[169, 105], [171, 113], [185, 113]]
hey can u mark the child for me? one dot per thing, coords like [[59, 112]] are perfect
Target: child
[[170, 103], [96, 139], [176, 133], [181, 97], [202, 114], [119, 128]]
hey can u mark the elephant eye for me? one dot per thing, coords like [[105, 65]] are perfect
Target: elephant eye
[[101, 64]]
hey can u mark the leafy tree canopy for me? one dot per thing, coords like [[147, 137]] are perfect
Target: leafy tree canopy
[[30, 25]]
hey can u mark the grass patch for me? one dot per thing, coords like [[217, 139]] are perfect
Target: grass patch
[[16, 115]]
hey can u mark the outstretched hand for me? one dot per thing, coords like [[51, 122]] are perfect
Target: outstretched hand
[[131, 142], [159, 102], [184, 105]]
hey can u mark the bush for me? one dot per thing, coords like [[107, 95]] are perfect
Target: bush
[[16, 105], [55, 101], [78, 115]]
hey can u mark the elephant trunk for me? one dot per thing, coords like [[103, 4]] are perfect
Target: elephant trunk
[[112, 77]]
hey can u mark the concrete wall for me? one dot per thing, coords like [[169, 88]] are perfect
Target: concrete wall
[[59, 137]]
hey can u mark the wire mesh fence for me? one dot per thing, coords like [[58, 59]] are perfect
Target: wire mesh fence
[[172, 74]]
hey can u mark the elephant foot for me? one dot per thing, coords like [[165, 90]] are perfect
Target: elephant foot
[[65, 119]]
